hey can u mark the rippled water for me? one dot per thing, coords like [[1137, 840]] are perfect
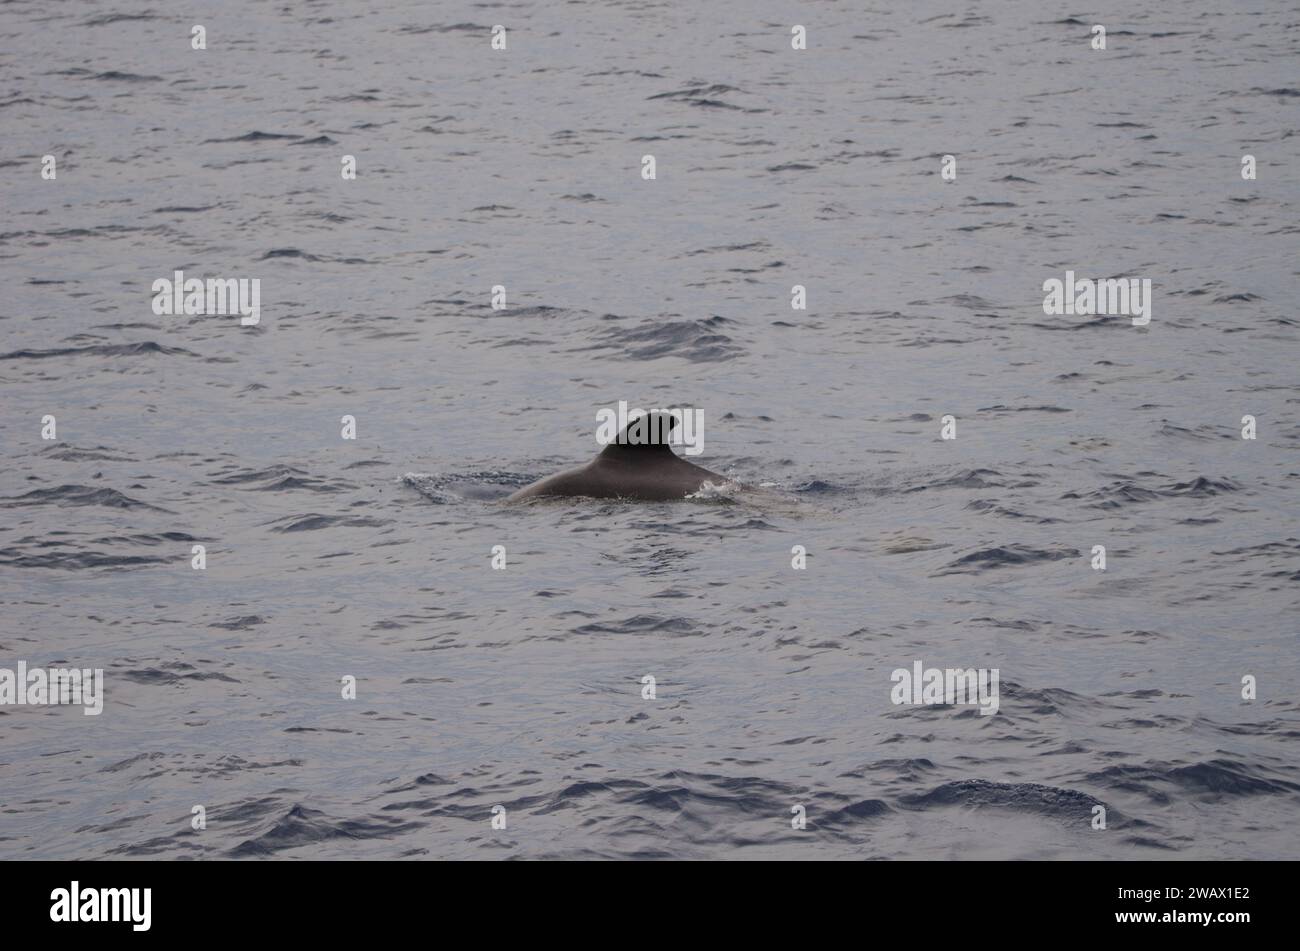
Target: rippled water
[[522, 688]]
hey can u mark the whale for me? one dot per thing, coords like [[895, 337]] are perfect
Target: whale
[[633, 466]]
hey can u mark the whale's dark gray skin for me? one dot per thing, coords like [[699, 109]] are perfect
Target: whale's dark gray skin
[[624, 470]]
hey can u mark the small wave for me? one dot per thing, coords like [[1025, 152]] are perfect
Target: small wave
[[144, 347], [821, 487], [315, 522], [967, 479], [66, 453], [1211, 779], [242, 623], [706, 96], [104, 19], [78, 495], [488, 486], [443, 28], [988, 559], [255, 137], [302, 826], [280, 478], [1065, 805], [171, 674], [1128, 492], [114, 75], [699, 341], [645, 624], [72, 561], [1201, 487]]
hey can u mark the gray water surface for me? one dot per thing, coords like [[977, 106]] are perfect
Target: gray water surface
[[522, 688]]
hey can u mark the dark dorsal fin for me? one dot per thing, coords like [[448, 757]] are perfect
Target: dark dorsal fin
[[645, 434]]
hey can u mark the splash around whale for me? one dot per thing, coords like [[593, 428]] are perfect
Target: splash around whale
[[639, 464]]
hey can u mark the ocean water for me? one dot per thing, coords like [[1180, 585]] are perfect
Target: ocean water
[[522, 688]]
